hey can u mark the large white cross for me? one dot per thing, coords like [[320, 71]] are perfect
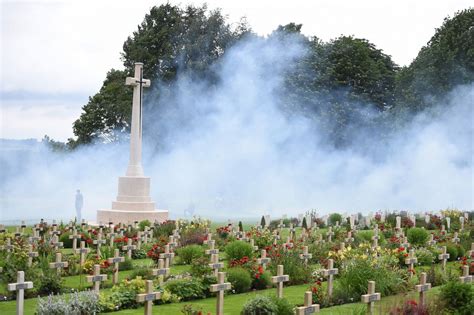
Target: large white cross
[[443, 256], [19, 287], [97, 278], [279, 279], [411, 260], [148, 297], [371, 297], [465, 278], [116, 260], [167, 256], [58, 264], [263, 260], [215, 264], [74, 236], [220, 287], [309, 307], [129, 247], [330, 272], [161, 272], [83, 251], [423, 287]]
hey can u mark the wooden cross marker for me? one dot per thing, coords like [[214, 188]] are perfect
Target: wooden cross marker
[[320, 239], [309, 307], [55, 230], [208, 238], [167, 256], [99, 242], [2, 228], [215, 264], [176, 234], [443, 256], [305, 256], [148, 297], [342, 247], [329, 273], [129, 247], [139, 240], [423, 287], [431, 242], [33, 239], [281, 225], [116, 260], [112, 236], [97, 278], [349, 237], [465, 278], [161, 272], [31, 254], [252, 244], [289, 243], [263, 260], [292, 231], [8, 246], [23, 227], [470, 253], [74, 236], [279, 279], [83, 251], [17, 232], [146, 234], [443, 229], [375, 238], [58, 264], [20, 286], [220, 287], [172, 242], [371, 297], [329, 234], [398, 226], [56, 243], [455, 238], [404, 242], [411, 260], [461, 221], [211, 250]]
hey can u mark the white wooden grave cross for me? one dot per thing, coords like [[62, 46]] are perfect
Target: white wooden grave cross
[[404, 242], [56, 243], [23, 227], [309, 307], [329, 234], [292, 231], [470, 253], [31, 254], [161, 272], [289, 243], [279, 279], [423, 287], [398, 225], [263, 260], [129, 247], [146, 234], [252, 244], [55, 230], [139, 240], [411, 260], [8, 246], [176, 234], [465, 278], [443, 256], [167, 256], [448, 223], [135, 224], [208, 239], [443, 229], [220, 287], [276, 237], [215, 264], [97, 278], [148, 297], [20, 286], [83, 251], [116, 260], [455, 238], [172, 242], [33, 239], [349, 237], [431, 241], [461, 221], [211, 249], [305, 256], [375, 238], [329, 273], [74, 236], [112, 236], [17, 232], [281, 225], [58, 264], [371, 297]]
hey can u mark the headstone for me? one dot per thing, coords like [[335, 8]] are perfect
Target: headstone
[[116, 260], [329, 273], [431, 241], [58, 264], [167, 256], [371, 297], [329, 234], [455, 238], [263, 260], [220, 287], [443, 256], [74, 236], [411, 260], [215, 264], [305, 256], [279, 279], [129, 247], [20, 286], [465, 278], [96, 278], [375, 238], [31, 255], [148, 297], [56, 243], [448, 223], [99, 242], [161, 272], [423, 287], [309, 307]]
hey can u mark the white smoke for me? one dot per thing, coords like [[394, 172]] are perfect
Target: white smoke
[[230, 152]]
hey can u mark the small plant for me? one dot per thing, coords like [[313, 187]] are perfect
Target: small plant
[[240, 279], [237, 250], [124, 295], [85, 302], [200, 267], [335, 217], [259, 305], [417, 236], [187, 289], [190, 309], [188, 254], [410, 307], [458, 297]]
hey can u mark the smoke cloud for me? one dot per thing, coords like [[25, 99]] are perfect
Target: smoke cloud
[[230, 151]]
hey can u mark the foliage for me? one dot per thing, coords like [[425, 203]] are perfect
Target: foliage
[[189, 309], [143, 224], [452, 250], [410, 307], [200, 267], [142, 272], [335, 217], [240, 279], [164, 229], [262, 281], [292, 264], [188, 254], [458, 297], [49, 282], [67, 243], [417, 236], [262, 221], [267, 305], [237, 250], [127, 264], [425, 256], [186, 289], [78, 303], [157, 249], [124, 295]]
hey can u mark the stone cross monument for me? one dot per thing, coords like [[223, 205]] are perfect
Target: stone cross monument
[[133, 200]]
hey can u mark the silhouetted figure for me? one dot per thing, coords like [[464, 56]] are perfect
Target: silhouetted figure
[[79, 204]]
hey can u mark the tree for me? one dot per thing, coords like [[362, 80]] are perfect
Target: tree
[[241, 227], [446, 61], [304, 225], [262, 222]]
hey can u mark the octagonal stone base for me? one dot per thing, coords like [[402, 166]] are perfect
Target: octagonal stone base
[[126, 216]]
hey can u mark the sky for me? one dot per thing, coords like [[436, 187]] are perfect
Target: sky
[[55, 54]]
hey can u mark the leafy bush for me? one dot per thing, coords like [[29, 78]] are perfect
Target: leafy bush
[[458, 297], [237, 250], [144, 223], [85, 302], [452, 250], [49, 283], [142, 272], [425, 256], [240, 279], [292, 265], [164, 229], [139, 254], [265, 305], [335, 217], [127, 264], [187, 289], [410, 307], [188, 254], [264, 281], [67, 243], [417, 236], [200, 267], [124, 294]]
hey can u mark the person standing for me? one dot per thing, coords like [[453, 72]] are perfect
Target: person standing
[[79, 204]]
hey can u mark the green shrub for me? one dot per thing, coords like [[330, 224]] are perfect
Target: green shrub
[[188, 254], [417, 236], [240, 279], [263, 282], [85, 302], [124, 295], [126, 265], [292, 265], [425, 256], [186, 289], [139, 254], [238, 249], [67, 243], [200, 267], [49, 283], [144, 223], [265, 305], [366, 236], [458, 297], [335, 217], [452, 250], [142, 272]]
